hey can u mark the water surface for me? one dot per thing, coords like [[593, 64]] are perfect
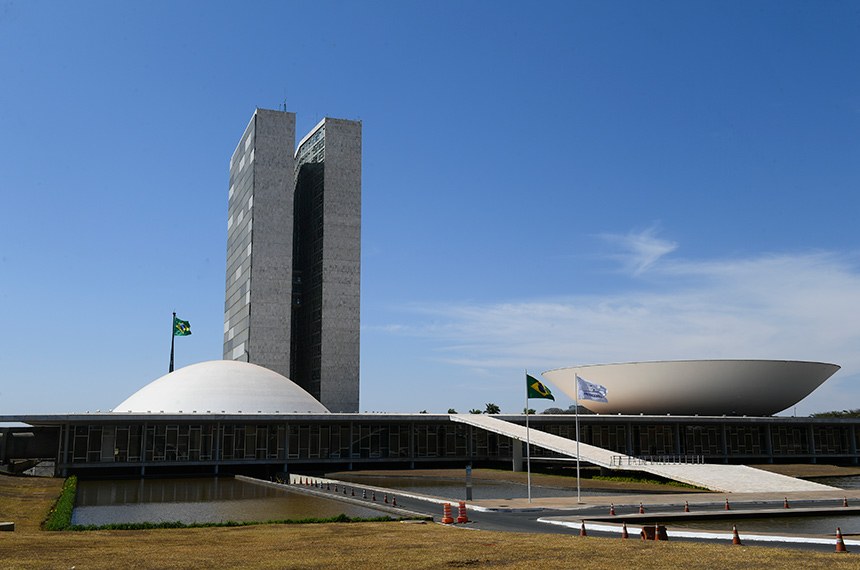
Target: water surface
[[800, 525], [199, 501], [455, 489]]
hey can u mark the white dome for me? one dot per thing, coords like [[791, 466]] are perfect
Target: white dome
[[222, 386]]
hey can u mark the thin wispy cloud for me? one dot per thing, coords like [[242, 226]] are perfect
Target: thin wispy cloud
[[791, 306], [640, 250]]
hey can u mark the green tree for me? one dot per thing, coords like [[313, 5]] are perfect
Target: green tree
[[452, 411], [529, 411], [838, 414], [475, 411], [492, 409]]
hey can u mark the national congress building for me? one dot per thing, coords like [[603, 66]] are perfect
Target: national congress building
[[285, 397], [294, 254]]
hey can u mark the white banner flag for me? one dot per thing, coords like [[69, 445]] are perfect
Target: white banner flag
[[590, 391]]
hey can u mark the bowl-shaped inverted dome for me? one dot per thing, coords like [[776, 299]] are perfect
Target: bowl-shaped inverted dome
[[222, 385], [703, 387]]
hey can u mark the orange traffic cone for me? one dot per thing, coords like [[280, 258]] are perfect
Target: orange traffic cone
[[686, 506], [582, 529], [393, 501], [385, 498], [728, 508], [461, 513], [785, 503], [373, 495], [624, 530], [446, 514], [844, 501], [335, 487], [840, 544], [735, 538], [641, 509], [611, 510]]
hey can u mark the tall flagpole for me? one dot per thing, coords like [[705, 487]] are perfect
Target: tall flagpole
[[576, 403], [528, 443], [172, 340]]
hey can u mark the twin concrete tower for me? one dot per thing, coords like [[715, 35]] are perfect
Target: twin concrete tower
[[294, 254]]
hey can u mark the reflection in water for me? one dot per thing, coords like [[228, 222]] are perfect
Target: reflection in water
[[199, 500], [455, 489], [850, 525], [841, 482]]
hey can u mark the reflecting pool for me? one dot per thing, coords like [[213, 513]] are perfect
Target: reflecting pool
[[455, 488], [200, 501]]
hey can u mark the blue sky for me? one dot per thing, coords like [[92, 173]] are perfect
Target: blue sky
[[543, 186]]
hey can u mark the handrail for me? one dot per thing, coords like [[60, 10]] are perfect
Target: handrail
[[622, 460]]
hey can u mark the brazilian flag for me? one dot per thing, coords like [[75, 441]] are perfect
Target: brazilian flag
[[180, 327], [536, 389]]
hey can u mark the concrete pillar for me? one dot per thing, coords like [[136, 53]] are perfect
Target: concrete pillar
[[811, 431], [852, 443], [216, 442], [64, 428], [517, 448], [768, 443]]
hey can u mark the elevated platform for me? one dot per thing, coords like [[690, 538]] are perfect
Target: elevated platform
[[716, 477]]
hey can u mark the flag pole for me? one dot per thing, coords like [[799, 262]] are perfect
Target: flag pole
[[576, 411], [528, 443], [172, 340]]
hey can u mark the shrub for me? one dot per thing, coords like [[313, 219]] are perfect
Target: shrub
[[60, 517]]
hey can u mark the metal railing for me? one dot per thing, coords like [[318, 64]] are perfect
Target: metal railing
[[625, 460]]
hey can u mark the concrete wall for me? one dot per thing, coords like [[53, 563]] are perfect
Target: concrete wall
[[339, 382], [258, 300]]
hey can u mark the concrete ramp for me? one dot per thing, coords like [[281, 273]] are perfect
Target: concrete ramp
[[716, 477], [733, 478], [589, 453]]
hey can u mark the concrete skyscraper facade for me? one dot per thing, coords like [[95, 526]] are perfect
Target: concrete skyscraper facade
[[294, 254]]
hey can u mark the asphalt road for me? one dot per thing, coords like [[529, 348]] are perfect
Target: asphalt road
[[526, 521]]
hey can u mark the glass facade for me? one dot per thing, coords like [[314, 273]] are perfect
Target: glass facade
[[409, 439]]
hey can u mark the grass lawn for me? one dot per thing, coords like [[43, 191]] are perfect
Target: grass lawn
[[351, 545]]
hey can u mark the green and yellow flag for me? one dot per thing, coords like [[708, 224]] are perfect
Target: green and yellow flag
[[181, 328], [536, 389]]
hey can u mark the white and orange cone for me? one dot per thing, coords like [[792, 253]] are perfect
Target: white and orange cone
[[840, 544]]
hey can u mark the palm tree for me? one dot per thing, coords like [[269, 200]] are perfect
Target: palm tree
[[492, 409]]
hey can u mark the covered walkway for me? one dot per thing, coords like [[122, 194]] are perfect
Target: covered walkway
[[716, 477]]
